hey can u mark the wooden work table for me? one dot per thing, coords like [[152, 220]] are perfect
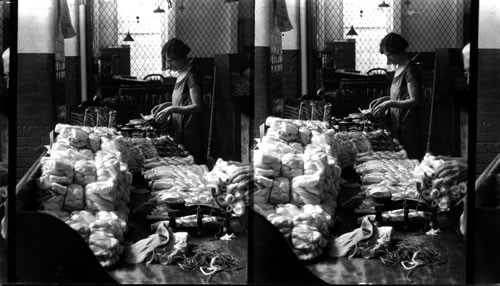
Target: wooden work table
[[449, 243], [49, 251], [57, 242], [173, 274], [372, 271]]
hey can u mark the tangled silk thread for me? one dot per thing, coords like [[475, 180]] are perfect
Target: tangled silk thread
[[209, 259], [411, 255]]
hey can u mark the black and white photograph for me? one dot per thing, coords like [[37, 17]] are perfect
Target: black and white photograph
[[260, 142]]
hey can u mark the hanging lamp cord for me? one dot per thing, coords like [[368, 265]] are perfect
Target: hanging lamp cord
[[431, 116]]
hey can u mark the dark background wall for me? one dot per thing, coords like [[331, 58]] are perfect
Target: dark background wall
[[276, 64], [291, 74], [262, 70], [72, 80], [35, 108], [488, 107]]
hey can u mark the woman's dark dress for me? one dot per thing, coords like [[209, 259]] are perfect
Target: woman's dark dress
[[187, 127], [406, 122]]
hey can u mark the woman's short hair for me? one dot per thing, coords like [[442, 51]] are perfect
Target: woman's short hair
[[393, 43], [175, 49]]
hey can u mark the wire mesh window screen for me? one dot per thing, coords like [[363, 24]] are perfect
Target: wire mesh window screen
[[60, 69], [5, 42], [209, 27], [60, 57], [4, 14], [426, 24], [276, 61]]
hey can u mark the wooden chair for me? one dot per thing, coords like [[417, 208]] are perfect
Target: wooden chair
[[156, 79], [377, 72]]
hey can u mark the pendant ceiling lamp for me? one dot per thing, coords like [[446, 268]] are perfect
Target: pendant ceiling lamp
[[159, 10], [128, 37], [352, 32], [383, 5], [181, 6]]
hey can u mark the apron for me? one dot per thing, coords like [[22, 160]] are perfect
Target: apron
[[187, 128]]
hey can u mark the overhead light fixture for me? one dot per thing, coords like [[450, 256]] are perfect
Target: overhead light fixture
[[159, 10], [352, 32], [383, 5], [412, 12], [128, 37], [181, 6]]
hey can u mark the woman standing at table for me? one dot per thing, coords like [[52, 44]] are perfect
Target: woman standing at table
[[404, 102], [184, 112]]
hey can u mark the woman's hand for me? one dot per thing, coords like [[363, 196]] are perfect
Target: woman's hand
[[452, 169], [163, 114], [159, 107], [374, 103], [377, 101], [381, 108]]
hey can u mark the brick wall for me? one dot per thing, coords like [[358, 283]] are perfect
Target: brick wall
[[488, 108], [291, 74], [72, 80], [4, 134], [262, 71], [276, 58], [35, 108]]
